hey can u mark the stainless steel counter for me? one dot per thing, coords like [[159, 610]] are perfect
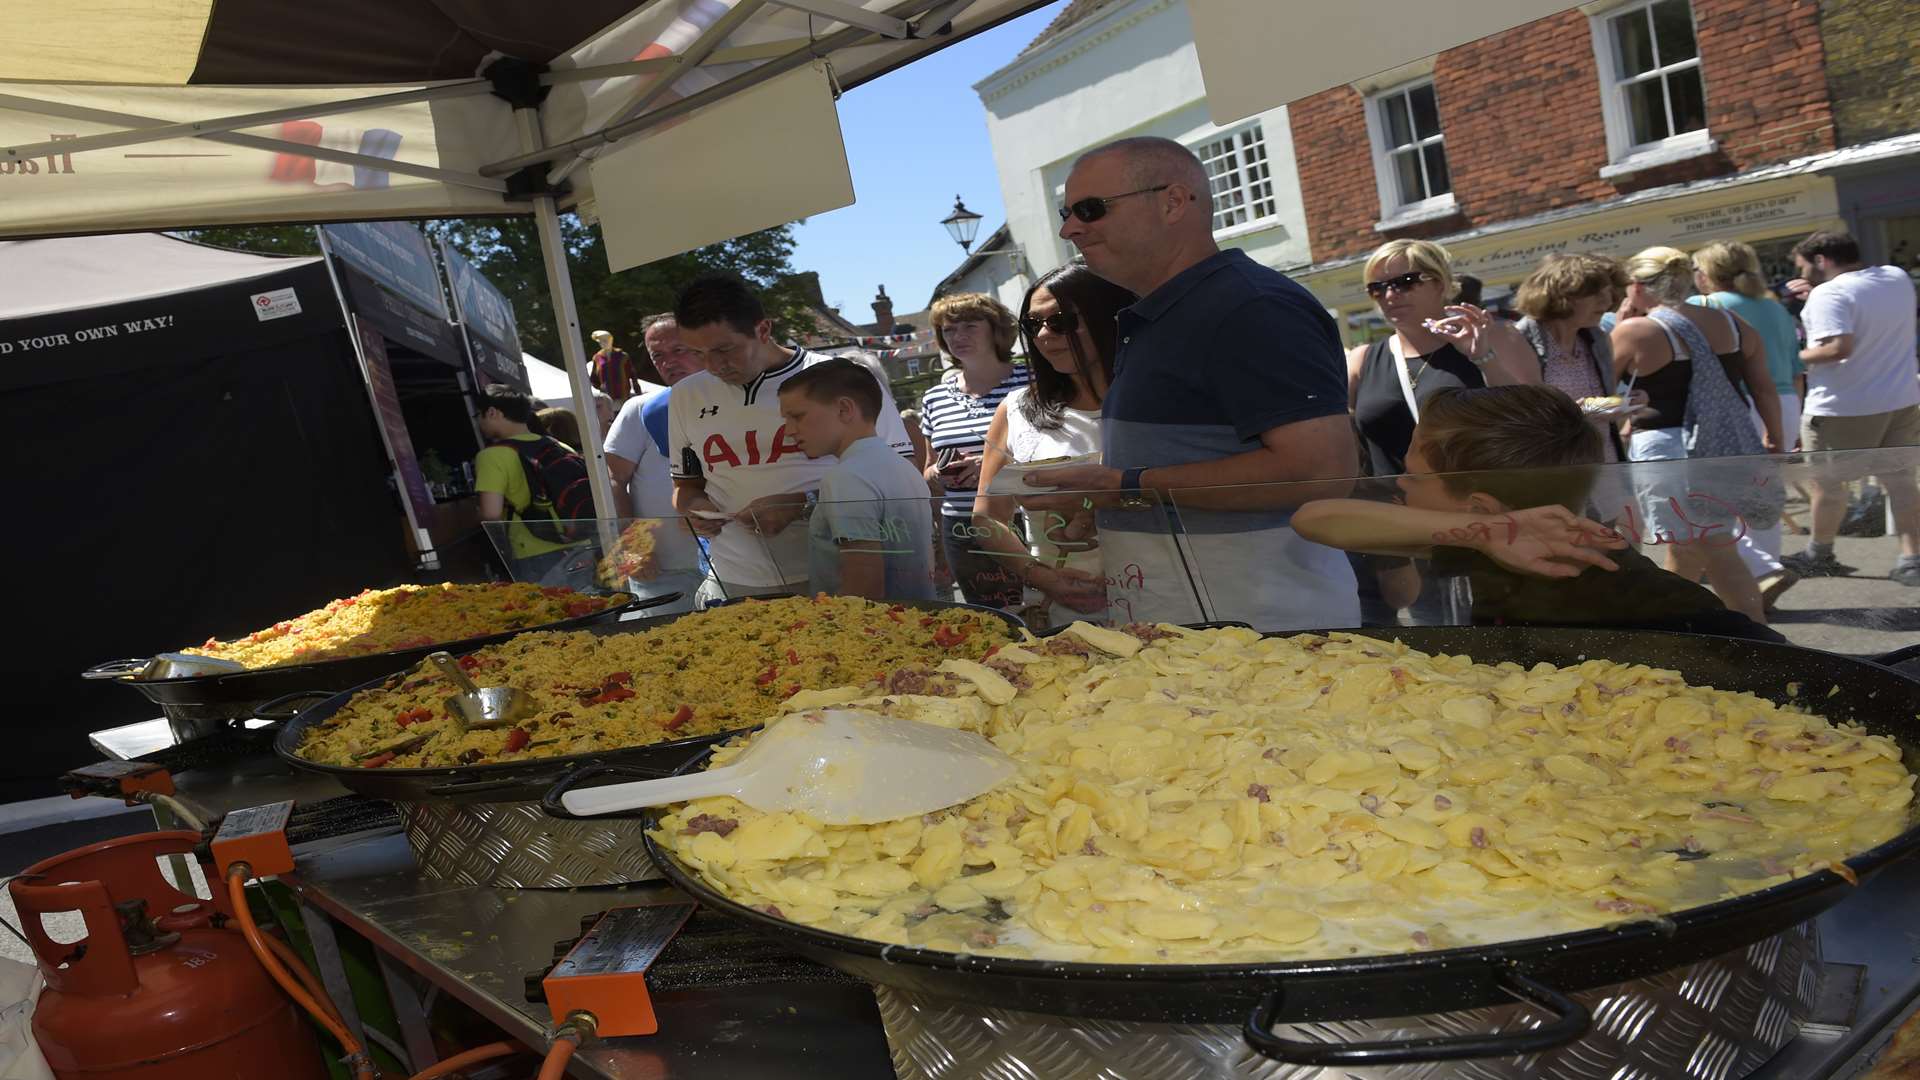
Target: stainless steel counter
[[477, 944]]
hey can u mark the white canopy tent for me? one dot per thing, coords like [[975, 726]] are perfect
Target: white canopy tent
[[45, 276], [124, 115], [1330, 44]]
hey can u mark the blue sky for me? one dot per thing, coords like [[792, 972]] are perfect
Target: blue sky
[[915, 138]]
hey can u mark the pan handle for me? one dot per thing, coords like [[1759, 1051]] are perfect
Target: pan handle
[[116, 669], [1570, 1021], [550, 802], [1897, 656], [281, 709]]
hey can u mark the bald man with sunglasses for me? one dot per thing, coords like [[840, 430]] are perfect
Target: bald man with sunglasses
[[1227, 374]]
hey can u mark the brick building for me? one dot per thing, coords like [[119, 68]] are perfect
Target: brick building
[[1615, 126]]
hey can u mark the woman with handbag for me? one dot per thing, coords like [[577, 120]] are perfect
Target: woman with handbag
[[1700, 369]]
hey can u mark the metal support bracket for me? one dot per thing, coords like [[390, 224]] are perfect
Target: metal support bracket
[[853, 15]]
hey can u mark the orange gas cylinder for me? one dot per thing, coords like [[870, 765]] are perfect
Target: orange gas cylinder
[[157, 990]]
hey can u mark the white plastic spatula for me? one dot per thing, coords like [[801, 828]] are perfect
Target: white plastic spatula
[[842, 766]]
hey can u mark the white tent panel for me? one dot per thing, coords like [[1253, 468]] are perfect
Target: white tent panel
[[550, 384], [1261, 54], [150, 41], [45, 276], [764, 157], [163, 184]]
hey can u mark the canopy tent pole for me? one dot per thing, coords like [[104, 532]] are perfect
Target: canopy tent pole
[[566, 319]]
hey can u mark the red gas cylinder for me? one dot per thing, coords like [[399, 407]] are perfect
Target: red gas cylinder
[[157, 990]]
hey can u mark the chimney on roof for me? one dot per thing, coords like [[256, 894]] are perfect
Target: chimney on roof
[[883, 312]]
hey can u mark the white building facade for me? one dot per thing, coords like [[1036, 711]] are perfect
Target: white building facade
[[996, 267], [1119, 68]]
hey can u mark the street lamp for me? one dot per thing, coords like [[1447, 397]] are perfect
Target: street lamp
[[963, 224]]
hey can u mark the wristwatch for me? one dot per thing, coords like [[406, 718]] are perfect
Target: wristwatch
[[1131, 497]]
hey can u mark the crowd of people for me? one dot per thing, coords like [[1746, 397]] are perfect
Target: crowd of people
[[1183, 408]]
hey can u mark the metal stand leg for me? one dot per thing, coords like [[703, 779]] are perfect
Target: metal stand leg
[[333, 973], [410, 1011]]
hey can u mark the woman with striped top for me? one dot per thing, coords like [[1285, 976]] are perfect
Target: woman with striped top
[[977, 333]]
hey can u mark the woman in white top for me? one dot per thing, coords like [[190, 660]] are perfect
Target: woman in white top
[[1067, 320]]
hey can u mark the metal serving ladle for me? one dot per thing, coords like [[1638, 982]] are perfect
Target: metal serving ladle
[[482, 707]]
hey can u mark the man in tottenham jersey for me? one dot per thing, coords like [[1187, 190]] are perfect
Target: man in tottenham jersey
[[738, 474]]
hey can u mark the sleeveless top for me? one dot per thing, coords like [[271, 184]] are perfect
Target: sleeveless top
[[1078, 433], [1666, 394], [1380, 405]]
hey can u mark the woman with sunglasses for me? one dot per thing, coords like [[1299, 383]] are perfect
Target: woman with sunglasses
[[1067, 319], [1433, 345], [977, 332]]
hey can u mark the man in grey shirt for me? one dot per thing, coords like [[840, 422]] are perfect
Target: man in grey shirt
[[870, 533]]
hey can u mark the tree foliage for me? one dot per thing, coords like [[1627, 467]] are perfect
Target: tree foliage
[[507, 251]]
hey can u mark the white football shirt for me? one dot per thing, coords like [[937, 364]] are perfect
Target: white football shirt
[[733, 438]]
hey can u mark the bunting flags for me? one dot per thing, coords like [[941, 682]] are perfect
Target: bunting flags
[[878, 339]]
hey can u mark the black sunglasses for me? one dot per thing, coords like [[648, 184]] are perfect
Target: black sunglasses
[[1094, 207], [1404, 283], [1060, 322]]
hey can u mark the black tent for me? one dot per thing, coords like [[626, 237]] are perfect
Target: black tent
[[194, 454]]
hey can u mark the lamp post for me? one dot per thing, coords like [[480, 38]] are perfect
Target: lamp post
[[963, 225]]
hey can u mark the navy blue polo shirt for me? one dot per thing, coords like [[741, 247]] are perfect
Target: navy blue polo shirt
[[1224, 351]]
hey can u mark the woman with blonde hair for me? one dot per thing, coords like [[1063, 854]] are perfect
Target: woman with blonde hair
[[1729, 278], [1700, 370], [977, 333], [1433, 345], [1561, 303]]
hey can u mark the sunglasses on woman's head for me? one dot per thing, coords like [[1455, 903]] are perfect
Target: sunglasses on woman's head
[[1404, 283], [1094, 207], [1060, 322]]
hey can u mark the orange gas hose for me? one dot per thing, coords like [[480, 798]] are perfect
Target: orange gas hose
[[555, 1066], [300, 970], [355, 1053], [466, 1058]]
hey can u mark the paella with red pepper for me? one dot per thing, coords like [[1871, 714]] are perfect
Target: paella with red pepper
[[718, 670], [405, 617]]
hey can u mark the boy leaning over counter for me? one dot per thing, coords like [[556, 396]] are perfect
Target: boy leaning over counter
[[1494, 476], [870, 533]]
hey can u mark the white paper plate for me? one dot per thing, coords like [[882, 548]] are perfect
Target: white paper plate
[[1012, 478]]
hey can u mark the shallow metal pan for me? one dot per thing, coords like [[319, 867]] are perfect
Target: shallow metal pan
[[258, 686], [1541, 970], [523, 781]]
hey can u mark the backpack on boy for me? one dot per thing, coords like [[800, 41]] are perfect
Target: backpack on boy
[[562, 499]]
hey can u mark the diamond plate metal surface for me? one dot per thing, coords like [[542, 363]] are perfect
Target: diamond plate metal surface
[[517, 846], [1719, 1019]]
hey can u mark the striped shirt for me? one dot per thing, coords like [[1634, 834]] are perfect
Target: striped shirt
[[953, 419]]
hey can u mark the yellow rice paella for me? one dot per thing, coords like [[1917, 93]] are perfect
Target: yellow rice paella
[[718, 670], [406, 617]]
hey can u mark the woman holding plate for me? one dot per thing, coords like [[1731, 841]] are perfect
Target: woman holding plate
[[1067, 319]]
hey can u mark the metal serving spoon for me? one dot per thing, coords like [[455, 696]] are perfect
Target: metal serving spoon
[[482, 707]]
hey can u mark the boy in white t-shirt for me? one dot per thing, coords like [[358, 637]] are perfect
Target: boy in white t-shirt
[[870, 533], [1863, 389], [739, 476]]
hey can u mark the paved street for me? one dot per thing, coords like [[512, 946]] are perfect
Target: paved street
[[1864, 614]]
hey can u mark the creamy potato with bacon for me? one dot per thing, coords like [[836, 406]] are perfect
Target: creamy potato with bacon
[[1211, 796]]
